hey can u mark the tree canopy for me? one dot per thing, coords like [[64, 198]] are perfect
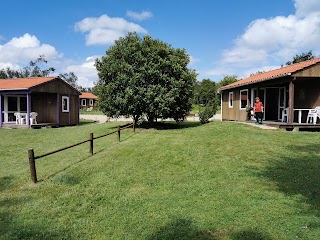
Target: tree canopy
[[301, 58], [228, 79], [145, 76], [205, 92], [37, 69], [34, 69]]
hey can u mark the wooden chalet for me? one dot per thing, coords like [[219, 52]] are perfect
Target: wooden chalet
[[88, 100], [53, 100], [294, 88]]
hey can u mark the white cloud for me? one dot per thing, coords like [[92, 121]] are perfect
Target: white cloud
[[139, 16], [306, 7], [21, 50], [85, 71], [193, 60], [105, 29], [274, 41]]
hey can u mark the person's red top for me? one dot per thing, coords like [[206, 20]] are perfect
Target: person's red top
[[258, 106]]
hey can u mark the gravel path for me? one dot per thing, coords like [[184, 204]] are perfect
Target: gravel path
[[103, 118]]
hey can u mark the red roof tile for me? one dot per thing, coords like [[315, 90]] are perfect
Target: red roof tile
[[23, 83], [88, 95], [280, 72]]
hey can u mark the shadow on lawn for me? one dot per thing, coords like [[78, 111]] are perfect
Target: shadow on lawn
[[298, 174], [14, 226], [249, 235], [5, 182], [182, 229], [168, 125]]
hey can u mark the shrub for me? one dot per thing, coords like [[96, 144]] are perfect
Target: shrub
[[206, 114]]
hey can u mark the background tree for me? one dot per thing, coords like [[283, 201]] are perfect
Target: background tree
[[228, 79], [205, 92], [302, 57], [70, 78], [36, 69], [145, 76]]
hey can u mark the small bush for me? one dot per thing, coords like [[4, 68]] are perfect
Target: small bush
[[206, 114]]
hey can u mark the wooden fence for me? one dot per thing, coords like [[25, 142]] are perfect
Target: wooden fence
[[32, 157]]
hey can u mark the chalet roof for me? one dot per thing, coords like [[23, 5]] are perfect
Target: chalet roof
[[88, 95], [23, 83], [16, 84], [277, 73]]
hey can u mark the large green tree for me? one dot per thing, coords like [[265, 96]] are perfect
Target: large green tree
[[145, 76]]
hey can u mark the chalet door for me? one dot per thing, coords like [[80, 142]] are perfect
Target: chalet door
[[261, 94], [282, 102], [14, 104]]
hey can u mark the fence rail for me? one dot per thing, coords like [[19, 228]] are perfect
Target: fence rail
[[32, 157]]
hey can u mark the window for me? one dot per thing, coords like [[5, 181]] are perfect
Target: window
[[91, 102], [243, 98], [230, 99], [83, 102], [65, 104]]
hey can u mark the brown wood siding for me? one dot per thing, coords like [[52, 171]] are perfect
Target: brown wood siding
[[309, 72], [45, 105], [307, 93], [74, 110], [56, 86], [234, 113], [73, 113]]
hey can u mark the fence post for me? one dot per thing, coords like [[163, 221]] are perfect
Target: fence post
[[32, 165], [91, 144], [118, 133]]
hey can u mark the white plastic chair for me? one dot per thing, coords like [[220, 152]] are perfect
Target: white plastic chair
[[285, 114], [33, 118], [313, 114], [20, 119]]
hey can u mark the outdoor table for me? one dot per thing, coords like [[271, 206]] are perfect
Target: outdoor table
[[300, 113]]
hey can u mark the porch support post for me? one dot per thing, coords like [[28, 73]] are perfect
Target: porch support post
[[291, 101], [1, 120], [58, 109], [28, 110], [69, 116]]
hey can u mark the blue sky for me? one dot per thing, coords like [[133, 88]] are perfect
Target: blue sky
[[222, 37]]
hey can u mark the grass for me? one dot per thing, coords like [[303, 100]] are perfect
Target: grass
[[216, 181], [93, 112]]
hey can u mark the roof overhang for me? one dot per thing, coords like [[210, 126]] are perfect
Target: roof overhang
[[253, 82]]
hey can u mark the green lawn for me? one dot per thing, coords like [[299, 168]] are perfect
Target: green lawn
[[93, 112], [216, 181]]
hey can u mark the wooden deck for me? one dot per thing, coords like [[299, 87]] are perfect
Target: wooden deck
[[34, 126], [293, 126]]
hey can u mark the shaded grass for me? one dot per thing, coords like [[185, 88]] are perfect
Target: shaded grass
[[215, 181]]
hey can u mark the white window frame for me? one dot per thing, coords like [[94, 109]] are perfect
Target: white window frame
[[68, 104], [230, 93], [90, 102], [83, 102], [243, 90]]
